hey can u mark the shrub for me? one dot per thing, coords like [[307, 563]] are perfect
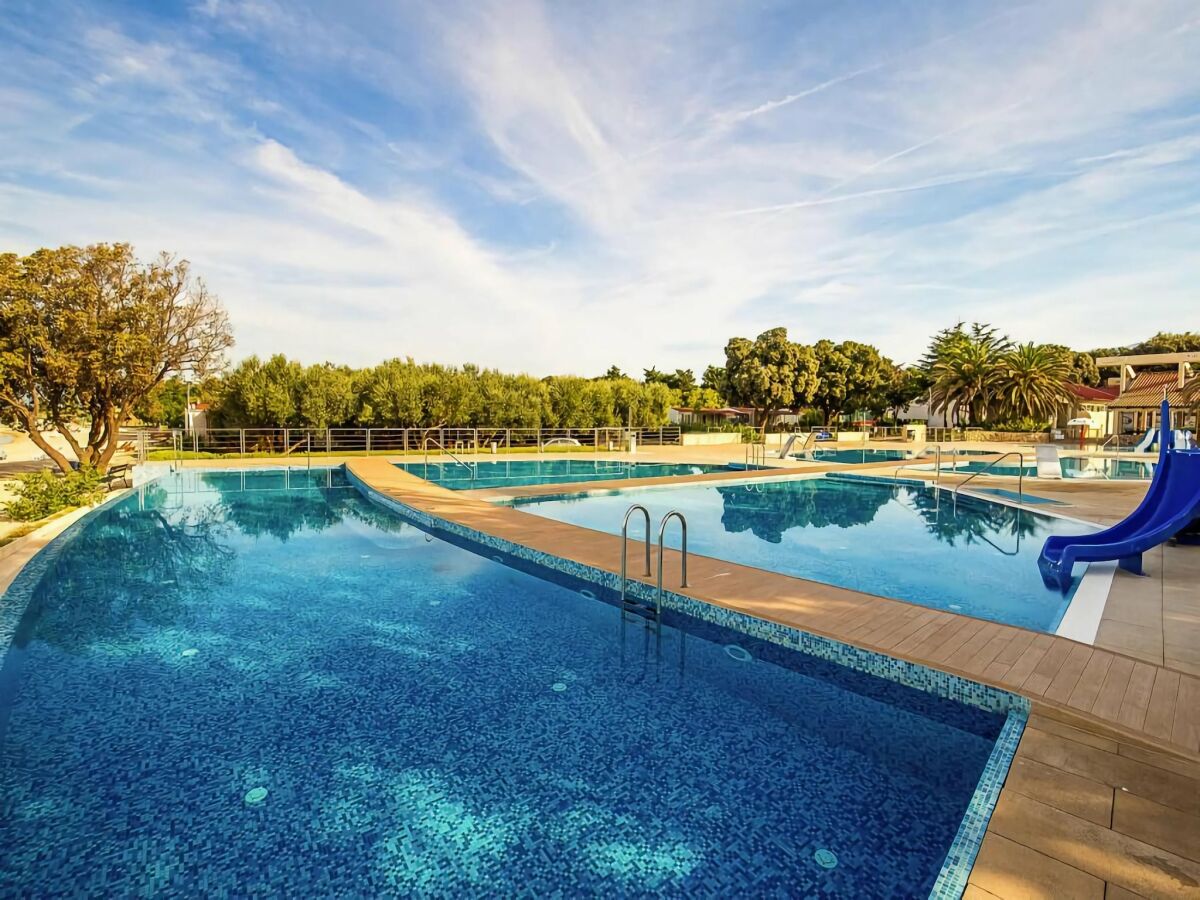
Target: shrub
[[46, 492]]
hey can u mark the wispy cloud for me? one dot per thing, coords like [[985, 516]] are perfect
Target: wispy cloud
[[555, 187]]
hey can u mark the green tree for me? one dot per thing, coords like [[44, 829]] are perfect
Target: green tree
[[326, 396], [87, 333], [613, 372], [714, 380], [965, 367], [259, 394], [770, 373], [850, 376], [1034, 382]]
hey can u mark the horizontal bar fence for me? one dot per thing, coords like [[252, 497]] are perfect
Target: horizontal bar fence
[[172, 444]]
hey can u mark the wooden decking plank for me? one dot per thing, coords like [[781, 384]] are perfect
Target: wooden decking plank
[[1047, 668], [1186, 730], [886, 642], [978, 664], [1160, 714], [1010, 654], [1137, 695], [966, 652], [918, 637], [956, 640], [1068, 675], [1087, 689], [1027, 663], [1112, 691]]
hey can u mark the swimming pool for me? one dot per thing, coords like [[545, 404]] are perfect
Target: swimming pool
[[866, 455], [518, 473], [1078, 467], [253, 684], [900, 541]]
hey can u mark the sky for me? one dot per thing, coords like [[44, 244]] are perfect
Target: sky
[[557, 187]]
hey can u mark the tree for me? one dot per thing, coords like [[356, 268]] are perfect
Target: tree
[[964, 366], [770, 373], [1081, 366], [87, 333], [613, 372], [714, 380], [904, 387], [259, 394], [326, 396], [850, 376], [1034, 382]]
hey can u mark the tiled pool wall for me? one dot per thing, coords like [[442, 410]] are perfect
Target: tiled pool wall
[[952, 879]]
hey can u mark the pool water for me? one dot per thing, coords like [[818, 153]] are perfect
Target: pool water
[[1077, 467], [518, 473], [242, 684], [895, 540], [866, 455]]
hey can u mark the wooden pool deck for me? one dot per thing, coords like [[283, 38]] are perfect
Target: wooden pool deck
[[1103, 798]]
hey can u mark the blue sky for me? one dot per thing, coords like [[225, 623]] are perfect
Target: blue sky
[[561, 186]]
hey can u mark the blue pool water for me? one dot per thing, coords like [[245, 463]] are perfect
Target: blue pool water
[[900, 541], [254, 685], [518, 473], [1077, 467], [866, 455]]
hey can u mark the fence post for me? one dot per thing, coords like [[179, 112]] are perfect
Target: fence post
[[287, 443], [328, 440], [368, 442], [241, 442]]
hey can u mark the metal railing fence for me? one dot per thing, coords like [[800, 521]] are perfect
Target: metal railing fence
[[152, 443]]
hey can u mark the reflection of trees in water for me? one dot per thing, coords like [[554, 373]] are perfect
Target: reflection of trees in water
[[130, 567], [281, 513], [972, 522], [143, 563], [768, 513]]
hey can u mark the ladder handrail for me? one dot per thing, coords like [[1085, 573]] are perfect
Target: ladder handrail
[[432, 440], [1020, 475], [625, 547], [662, 530], [937, 475]]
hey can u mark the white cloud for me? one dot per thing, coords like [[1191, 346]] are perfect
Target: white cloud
[[547, 188]]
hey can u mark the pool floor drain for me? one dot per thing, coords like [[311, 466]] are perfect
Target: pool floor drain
[[190, 651], [558, 686], [826, 859], [738, 653], [255, 795], [585, 592]]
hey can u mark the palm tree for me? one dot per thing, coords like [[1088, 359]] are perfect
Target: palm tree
[[1034, 382], [967, 377]]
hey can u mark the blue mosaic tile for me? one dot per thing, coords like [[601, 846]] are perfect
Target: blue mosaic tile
[[262, 684]]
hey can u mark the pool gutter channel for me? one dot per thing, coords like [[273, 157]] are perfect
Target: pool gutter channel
[[952, 877]]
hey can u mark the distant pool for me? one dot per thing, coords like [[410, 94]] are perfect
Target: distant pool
[[902, 541], [867, 455], [522, 472], [238, 684], [1100, 467]]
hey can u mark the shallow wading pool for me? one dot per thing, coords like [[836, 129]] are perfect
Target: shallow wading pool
[[261, 684]]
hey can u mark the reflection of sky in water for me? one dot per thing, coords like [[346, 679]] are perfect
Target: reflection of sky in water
[[426, 721], [979, 558]]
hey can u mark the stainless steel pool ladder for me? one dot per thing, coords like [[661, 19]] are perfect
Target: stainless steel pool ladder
[[756, 455], [431, 440], [1020, 476], [635, 606]]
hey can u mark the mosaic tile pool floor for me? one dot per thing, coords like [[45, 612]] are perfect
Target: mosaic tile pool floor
[[258, 689]]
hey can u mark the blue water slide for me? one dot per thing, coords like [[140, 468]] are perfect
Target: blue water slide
[[1171, 505]]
